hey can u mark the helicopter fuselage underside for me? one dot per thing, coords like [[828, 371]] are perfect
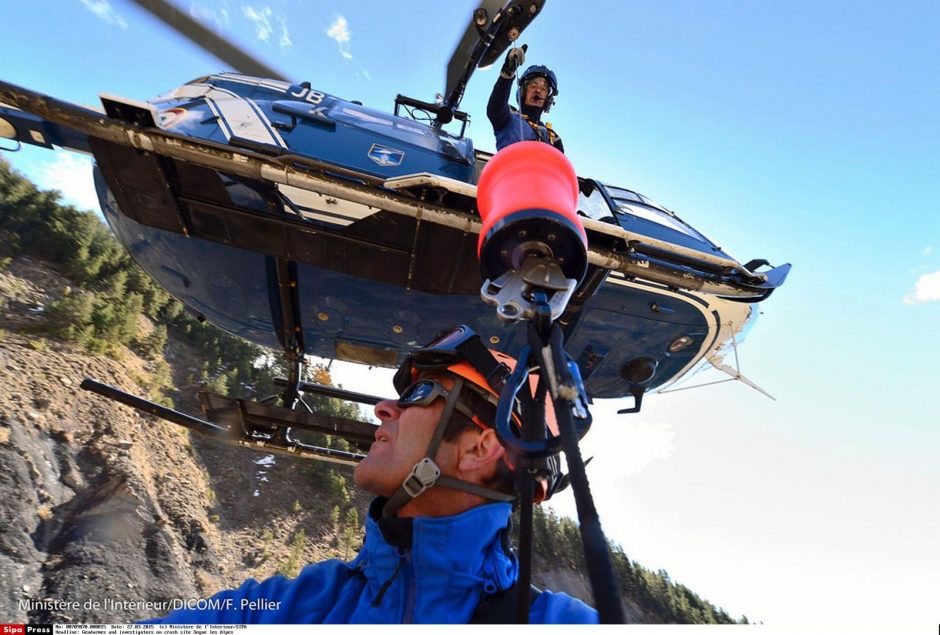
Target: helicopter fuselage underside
[[360, 308], [232, 189]]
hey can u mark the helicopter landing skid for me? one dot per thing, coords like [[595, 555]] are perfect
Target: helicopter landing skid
[[257, 426]]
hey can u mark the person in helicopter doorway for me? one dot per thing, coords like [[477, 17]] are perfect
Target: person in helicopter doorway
[[535, 94], [436, 547]]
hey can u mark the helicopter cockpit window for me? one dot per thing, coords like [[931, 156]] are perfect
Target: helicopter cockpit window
[[591, 203], [626, 195], [629, 202]]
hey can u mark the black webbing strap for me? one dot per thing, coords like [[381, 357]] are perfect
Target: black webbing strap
[[533, 414], [526, 494], [483, 361], [449, 407], [538, 127], [426, 474], [479, 490], [500, 608]]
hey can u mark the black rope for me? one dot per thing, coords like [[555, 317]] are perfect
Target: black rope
[[597, 556]]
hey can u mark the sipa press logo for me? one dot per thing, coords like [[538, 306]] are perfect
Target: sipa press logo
[[26, 629]]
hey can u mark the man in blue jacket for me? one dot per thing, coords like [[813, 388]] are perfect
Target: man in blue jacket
[[436, 548], [535, 95]]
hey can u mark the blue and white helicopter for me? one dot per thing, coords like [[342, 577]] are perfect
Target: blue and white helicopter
[[299, 220]]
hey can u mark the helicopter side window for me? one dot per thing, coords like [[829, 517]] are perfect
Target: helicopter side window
[[633, 204], [591, 203]]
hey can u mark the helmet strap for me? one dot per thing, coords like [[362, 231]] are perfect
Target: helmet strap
[[484, 363], [426, 474]]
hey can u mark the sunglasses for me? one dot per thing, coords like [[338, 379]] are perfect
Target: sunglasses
[[424, 392]]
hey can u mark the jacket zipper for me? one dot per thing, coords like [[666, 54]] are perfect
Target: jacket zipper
[[410, 592]]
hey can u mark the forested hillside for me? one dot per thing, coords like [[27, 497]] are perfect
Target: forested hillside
[[197, 516]]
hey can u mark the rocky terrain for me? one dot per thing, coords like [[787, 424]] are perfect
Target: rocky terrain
[[103, 504]]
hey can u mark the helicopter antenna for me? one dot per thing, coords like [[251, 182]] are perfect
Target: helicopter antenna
[[208, 40]]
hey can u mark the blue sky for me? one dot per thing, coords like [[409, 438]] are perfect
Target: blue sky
[[799, 132]]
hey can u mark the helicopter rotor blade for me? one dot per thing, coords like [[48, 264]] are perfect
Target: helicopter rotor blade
[[208, 40], [494, 26], [457, 64]]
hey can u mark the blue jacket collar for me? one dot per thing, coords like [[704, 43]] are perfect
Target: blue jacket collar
[[438, 567]]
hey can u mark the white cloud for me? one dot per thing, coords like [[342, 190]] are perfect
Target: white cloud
[[104, 11], [926, 289], [638, 444], [261, 18], [642, 443], [206, 15], [339, 31], [71, 174], [284, 41], [927, 250]]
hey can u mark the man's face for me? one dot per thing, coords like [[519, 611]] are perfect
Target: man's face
[[536, 92], [400, 442]]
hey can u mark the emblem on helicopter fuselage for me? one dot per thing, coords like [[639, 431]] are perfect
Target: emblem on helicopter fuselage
[[386, 157]]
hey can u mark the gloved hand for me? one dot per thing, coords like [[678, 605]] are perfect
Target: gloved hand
[[514, 59]]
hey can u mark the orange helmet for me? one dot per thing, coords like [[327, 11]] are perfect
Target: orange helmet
[[460, 352]]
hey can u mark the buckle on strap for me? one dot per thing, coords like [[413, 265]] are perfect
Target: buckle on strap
[[423, 475]]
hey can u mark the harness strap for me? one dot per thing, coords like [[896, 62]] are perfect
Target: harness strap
[[538, 128]]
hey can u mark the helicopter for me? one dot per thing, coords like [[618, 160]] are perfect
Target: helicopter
[[305, 222]]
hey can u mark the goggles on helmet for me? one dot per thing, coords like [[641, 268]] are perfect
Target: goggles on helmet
[[459, 344], [426, 391]]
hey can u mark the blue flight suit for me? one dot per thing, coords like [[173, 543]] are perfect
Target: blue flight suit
[[510, 125]]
